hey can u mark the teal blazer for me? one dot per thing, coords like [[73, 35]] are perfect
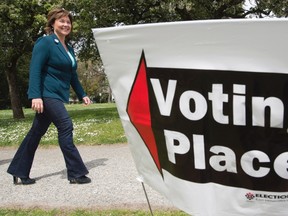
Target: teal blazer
[[51, 72]]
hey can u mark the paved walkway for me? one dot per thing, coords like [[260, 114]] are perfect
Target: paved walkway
[[113, 173]]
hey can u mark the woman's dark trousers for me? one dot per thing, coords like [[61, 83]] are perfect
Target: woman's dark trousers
[[56, 113]]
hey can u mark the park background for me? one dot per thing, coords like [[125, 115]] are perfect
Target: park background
[[23, 21]]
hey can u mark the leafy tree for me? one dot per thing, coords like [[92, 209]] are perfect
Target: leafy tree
[[93, 79], [22, 22], [268, 8], [87, 15], [151, 11]]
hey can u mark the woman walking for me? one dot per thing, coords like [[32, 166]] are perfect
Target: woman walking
[[52, 72]]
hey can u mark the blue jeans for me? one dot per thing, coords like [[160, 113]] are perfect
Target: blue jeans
[[56, 113]]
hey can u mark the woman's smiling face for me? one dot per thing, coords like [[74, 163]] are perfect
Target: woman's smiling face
[[62, 26]]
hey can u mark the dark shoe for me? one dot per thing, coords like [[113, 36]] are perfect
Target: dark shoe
[[24, 181], [81, 180]]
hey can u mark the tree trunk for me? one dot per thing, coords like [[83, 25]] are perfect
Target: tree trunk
[[110, 95], [16, 105]]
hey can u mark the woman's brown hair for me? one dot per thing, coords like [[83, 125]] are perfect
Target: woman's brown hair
[[56, 14]]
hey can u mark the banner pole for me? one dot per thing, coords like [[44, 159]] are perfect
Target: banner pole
[[144, 189], [147, 198]]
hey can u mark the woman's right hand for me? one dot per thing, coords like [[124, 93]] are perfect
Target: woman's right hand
[[37, 105]]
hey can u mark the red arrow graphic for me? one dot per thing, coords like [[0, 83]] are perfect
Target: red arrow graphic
[[138, 109]]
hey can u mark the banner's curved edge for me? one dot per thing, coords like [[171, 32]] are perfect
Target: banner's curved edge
[[99, 31]]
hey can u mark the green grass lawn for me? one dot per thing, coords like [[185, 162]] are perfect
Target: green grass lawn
[[93, 125], [56, 212]]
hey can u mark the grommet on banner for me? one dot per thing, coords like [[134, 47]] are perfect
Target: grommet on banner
[[140, 179]]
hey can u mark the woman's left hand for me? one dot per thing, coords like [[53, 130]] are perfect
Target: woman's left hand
[[86, 100]]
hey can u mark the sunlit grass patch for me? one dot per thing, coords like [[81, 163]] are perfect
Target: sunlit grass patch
[[80, 212], [94, 124]]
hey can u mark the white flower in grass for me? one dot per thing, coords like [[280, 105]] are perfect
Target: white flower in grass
[[80, 139]]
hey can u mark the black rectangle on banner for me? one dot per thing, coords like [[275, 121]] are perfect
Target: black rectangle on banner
[[226, 127]]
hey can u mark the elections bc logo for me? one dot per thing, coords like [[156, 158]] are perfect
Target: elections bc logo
[[250, 196], [203, 126], [266, 197]]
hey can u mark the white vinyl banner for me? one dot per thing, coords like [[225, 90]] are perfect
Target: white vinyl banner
[[204, 105]]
